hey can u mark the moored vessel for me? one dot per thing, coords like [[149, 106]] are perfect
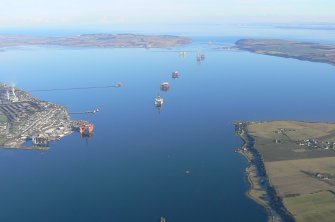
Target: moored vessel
[[175, 75], [165, 86], [86, 130], [200, 57], [159, 101]]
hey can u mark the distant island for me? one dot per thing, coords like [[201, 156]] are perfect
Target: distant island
[[96, 40], [314, 52], [24, 117], [325, 27], [291, 168]]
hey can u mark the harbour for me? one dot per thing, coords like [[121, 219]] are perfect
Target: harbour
[[26, 118], [179, 164]]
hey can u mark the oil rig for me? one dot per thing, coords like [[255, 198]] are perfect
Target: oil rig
[[175, 75], [85, 128], [165, 86], [201, 57]]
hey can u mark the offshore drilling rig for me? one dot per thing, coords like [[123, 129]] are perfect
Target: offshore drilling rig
[[86, 129]]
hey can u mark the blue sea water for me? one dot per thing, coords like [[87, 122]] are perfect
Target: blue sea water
[[134, 168]]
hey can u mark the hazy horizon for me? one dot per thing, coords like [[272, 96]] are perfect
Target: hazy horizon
[[104, 13]]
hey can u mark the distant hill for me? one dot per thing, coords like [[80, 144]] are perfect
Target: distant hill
[[97, 40]]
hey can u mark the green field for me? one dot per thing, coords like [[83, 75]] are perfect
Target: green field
[[289, 178], [312, 207], [3, 118], [288, 149], [292, 165]]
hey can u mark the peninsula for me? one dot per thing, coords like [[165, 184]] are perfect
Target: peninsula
[[24, 117], [314, 52], [291, 168], [96, 40]]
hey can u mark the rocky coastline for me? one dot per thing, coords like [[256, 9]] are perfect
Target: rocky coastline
[[259, 182]]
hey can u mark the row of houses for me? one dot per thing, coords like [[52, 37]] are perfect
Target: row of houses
[[316, 144]]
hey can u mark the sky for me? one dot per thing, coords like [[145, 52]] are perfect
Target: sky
[[47, 13]]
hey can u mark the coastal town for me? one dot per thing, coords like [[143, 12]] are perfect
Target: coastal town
[[308, 144], [24, 118]]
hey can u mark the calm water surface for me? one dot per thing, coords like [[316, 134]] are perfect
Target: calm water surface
[[133, 169]]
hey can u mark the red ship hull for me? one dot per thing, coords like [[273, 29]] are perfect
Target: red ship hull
[[86, 130]]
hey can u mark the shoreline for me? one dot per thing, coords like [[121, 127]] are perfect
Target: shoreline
[[28, 118], [260, 191], [290, 57]]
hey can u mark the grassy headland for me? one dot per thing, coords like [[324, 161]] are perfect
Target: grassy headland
[[314, 52], [295, 162]]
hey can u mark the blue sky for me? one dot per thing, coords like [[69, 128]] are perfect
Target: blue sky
[[37, 13]]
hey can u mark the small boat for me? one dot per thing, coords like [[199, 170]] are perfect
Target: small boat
[[119, 85], [175, 75], [159, 101], [163, 219], [200, 57], [165, 86], [182, 54], [96, 111]]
